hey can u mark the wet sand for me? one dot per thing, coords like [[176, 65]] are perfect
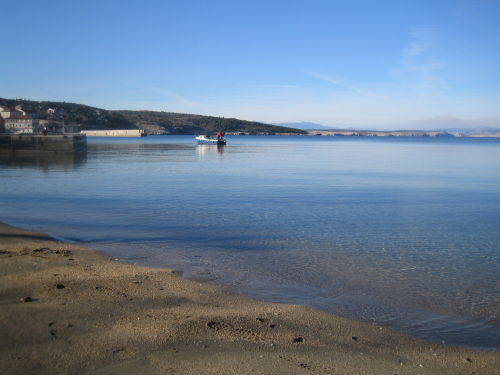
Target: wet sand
[[66, 309]]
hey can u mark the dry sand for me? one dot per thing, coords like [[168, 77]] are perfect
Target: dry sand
[[66, 309]]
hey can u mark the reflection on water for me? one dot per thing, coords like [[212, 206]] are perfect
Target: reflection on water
[[403, 232], [131, 148], [204, 151], [46, 161]]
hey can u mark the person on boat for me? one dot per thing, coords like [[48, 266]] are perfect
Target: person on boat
[[220, 135]]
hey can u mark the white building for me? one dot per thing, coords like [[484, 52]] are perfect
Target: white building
[[20, 110], [21, 124], [7, 112]]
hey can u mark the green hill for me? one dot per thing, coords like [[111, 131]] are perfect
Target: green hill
[[92, 118]]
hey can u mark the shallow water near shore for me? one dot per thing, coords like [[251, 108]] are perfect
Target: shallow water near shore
[[404, 232]]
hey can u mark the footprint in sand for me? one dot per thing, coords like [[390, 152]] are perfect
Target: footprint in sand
[[236, 332]]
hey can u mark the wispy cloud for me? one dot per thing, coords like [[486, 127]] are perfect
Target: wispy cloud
[[270, 86], [420, 67], [339, 81], [414, 94], [420, 43], [334, 79]]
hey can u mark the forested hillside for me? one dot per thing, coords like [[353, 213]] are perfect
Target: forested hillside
[[153, 122]]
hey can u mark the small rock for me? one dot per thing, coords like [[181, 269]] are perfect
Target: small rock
[[298, 339], [468, 360], [213, 325], [60, 286], [26, 299], [355, 338], [51, 324]]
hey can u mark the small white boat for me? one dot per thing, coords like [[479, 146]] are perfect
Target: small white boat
[[208, 140]]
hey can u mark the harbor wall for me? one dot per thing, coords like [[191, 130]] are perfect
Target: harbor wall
[[114, 133]]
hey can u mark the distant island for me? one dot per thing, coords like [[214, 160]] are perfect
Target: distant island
[[323, 130], [382, 133]]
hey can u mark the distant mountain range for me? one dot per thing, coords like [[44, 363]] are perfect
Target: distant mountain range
[[153, 122]]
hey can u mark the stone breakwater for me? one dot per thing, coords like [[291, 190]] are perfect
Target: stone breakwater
[[115, 133]]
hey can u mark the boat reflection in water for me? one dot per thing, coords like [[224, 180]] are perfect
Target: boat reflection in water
[[207, 151]]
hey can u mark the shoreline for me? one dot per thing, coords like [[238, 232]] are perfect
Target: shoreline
[[72, 309]]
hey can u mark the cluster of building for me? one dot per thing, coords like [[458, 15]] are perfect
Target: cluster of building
[[17, 121]]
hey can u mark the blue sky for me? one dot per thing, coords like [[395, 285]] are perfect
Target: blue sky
[[365, 64]]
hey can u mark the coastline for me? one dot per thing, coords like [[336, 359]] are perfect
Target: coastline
[[71, 309]]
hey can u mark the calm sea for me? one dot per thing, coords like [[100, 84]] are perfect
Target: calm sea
[[404, 232]]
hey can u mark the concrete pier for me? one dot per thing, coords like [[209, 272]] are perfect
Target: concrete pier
[[115, 133], [42, 143]]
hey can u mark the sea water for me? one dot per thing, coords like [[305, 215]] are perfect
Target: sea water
[[404, 232]]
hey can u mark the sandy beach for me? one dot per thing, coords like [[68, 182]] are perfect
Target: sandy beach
[[66, 309]]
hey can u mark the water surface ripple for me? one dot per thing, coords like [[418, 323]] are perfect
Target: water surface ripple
[[404, 232]]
